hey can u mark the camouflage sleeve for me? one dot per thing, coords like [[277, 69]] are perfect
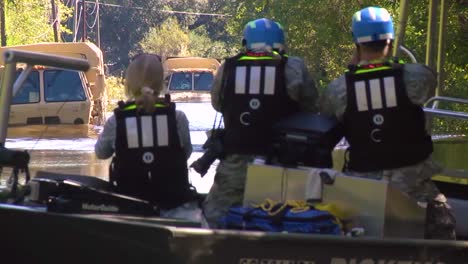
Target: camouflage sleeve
[[184, 132], [333, 100], [420, 82], [216, 89], [105, 144], [301, 87]]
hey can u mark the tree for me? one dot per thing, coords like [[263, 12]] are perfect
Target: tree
[[29, 21], [169, 39], [123, 26], [124, 23], [172, 39], [200, 44]]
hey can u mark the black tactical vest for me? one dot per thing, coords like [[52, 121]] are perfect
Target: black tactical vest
[[149, 162], [385, 130], [254, 98]]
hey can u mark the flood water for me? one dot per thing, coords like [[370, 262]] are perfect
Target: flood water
[[76, 155]]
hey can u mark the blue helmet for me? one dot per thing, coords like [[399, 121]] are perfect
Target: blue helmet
[[264, 34], [372, 24]]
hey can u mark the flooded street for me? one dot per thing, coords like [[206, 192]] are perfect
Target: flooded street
[[76, 155]]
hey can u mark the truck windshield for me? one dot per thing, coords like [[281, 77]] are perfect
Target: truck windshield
[[63, 86], [29, 91], [203, 81], [181, 81]]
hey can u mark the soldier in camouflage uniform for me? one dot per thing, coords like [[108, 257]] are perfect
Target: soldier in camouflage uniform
[[379, 101], [253, 90]]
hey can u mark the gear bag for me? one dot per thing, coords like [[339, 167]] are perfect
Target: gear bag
[[291, 216]]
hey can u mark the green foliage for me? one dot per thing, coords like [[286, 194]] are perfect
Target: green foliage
[[455, 86], [455, 74], [169, 39], [172, 39], [123, 28], [29, 21], [202, 45], [115, 91]]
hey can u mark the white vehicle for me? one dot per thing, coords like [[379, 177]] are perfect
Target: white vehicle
[[190, 78]]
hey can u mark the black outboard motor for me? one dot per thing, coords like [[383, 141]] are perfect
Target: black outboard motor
[[305, 139]]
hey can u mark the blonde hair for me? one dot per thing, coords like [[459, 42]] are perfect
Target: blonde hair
[[144, 80]]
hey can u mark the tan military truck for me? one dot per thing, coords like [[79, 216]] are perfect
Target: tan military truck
[[190, 78], [52, 96]]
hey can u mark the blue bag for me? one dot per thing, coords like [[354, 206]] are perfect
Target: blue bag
[[291, 216]]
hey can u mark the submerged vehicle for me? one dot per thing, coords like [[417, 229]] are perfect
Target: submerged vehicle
[[190, 78], [52, 96]]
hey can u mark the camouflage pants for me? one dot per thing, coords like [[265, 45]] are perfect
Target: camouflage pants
[[227, 189], [414, 180]]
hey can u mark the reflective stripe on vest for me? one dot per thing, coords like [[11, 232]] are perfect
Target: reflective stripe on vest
[[133, 106], [146, 133], [374, 85], [255, 78], [269, 77], [263, 57]]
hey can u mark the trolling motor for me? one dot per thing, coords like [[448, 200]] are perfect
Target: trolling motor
[[18, 160]]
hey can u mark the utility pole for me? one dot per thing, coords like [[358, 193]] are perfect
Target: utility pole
[[75, 21], [55, 22], [83, 17], [98, 25], [2, 21]]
